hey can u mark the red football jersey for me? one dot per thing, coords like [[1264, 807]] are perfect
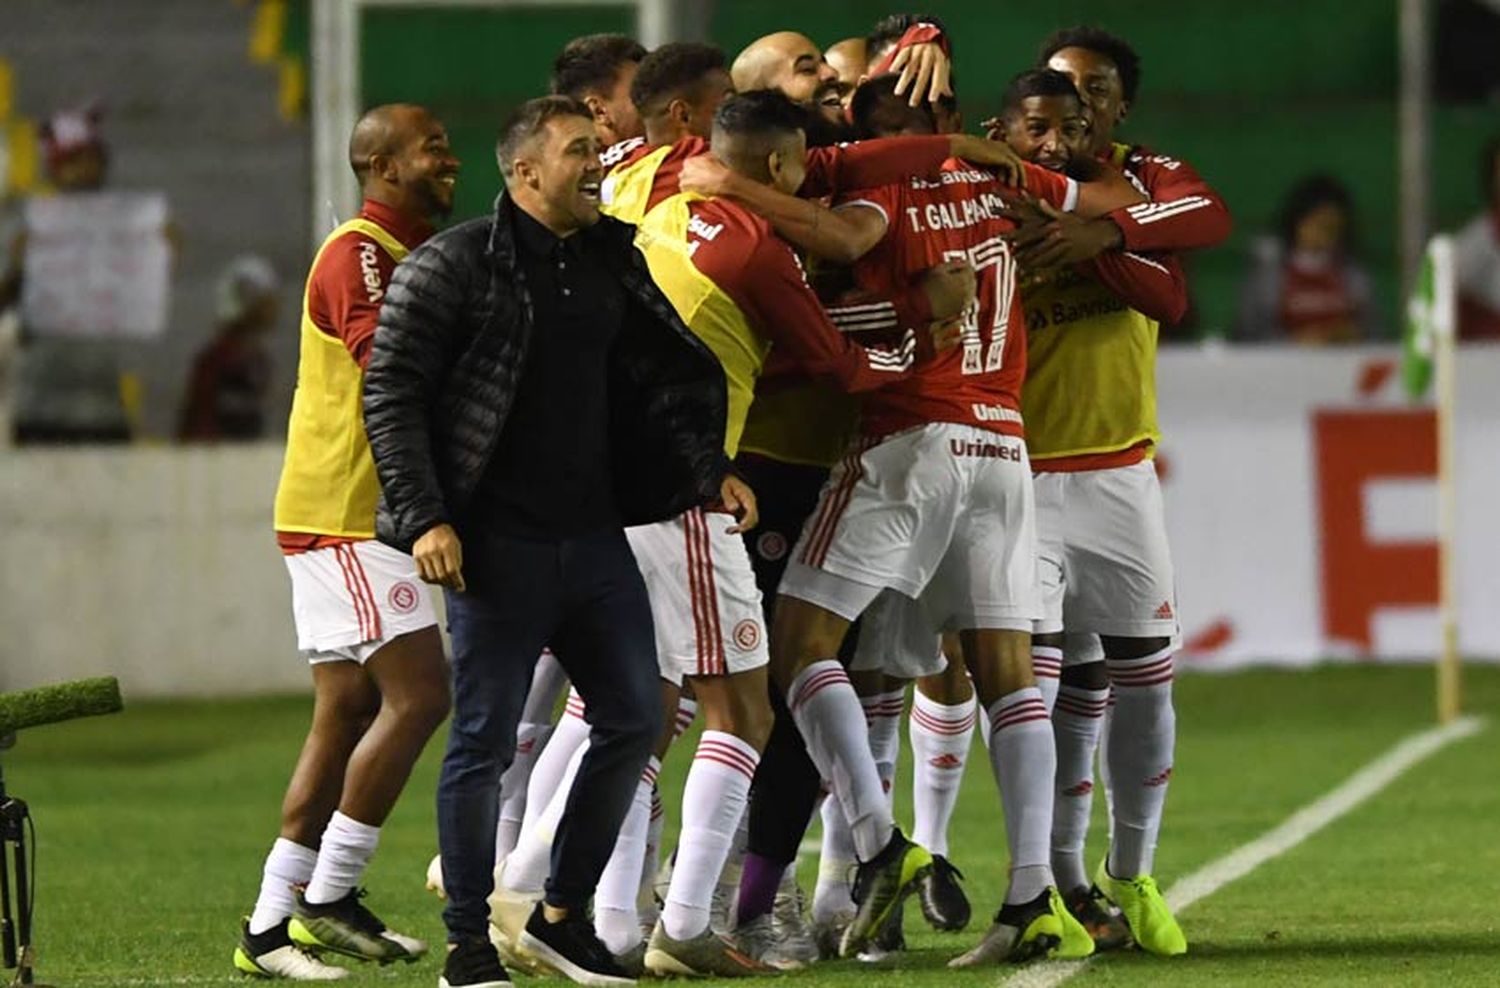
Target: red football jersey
[[929, 222]]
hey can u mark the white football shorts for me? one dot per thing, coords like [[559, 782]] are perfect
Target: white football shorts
[[942, 513], [896, 637], [704, 601], [348, 600], [1103, 558]]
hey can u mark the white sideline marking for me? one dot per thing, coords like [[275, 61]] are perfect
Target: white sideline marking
[[1292, 831]]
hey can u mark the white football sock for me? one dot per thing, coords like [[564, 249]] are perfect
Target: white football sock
[[883, 720], [288, 864], [828, 714], [570, 734], [687, 709], [941, 735], [527, 867], [1142, 735], [616, 917], [1024, 759], [345, 851], [1046, 666], [651, 860], [833, 895], [1077, 721], [713, 800], [531, 739]]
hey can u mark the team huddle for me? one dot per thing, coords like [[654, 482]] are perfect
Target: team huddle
[[766, 395]]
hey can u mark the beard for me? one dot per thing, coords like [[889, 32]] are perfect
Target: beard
[[822, 132]]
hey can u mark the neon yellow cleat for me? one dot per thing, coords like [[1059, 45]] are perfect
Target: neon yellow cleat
[[1024, 932], [1146, 913]]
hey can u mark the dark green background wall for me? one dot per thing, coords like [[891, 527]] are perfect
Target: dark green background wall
[[1255, 95]]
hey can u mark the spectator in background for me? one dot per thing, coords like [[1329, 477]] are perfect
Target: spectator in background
[[69, 390], [1477, 250], [226, 394], [1304, 285]]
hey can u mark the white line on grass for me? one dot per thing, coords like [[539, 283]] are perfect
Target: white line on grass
[[1292, 831]]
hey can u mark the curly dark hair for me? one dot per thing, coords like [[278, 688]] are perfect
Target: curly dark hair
[[670, 71], [1096, 39]]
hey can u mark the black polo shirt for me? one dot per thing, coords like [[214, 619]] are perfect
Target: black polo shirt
[[549, 475]]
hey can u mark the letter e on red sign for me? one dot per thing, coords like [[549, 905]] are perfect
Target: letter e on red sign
[[1360, 576]]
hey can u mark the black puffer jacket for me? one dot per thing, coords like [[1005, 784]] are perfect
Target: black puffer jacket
[[448, 356]]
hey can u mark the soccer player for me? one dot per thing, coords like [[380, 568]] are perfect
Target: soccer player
[[597, 70], [742, 290], [1105, 564], [364, 620], [964, 550]]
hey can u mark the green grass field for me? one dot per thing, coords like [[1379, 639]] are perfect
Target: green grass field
[[152, 826]]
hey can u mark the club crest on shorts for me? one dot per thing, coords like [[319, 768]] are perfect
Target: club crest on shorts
[[771, 546], [403, 598], [747, 634]]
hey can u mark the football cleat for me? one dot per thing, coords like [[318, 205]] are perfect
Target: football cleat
[[1145, 911], [880, 886], [1102, 921], [1026, 931], [346, 927], [944, 904], [707, 955], [272, 954]]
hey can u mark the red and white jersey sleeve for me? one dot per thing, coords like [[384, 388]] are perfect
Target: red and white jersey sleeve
[[1184, 212], [769, 285], [345, 291], [1152, 284], [956, 215]]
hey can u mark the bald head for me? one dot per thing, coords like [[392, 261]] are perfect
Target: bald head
[[382, 131], [848, 58], [400, 154], [789, 62]]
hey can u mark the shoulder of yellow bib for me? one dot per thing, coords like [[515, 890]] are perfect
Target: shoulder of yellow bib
[[371, 229], [1119, 154]]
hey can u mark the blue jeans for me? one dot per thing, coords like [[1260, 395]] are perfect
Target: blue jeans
[[583, 597]]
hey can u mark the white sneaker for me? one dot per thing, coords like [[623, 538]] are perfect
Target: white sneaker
[[789, 922], [759, 939], [721, 911], [509, 911]]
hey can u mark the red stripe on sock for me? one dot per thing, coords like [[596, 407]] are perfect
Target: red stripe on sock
[[815, 683], [939, 726], [715, 755]]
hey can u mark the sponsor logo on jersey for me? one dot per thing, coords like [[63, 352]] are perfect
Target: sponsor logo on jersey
[[369, 269], [747, 634], [403, 597], [994, 413], [991, 451], [771, 546]]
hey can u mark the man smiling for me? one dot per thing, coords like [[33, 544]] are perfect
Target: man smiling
[[531, 392]]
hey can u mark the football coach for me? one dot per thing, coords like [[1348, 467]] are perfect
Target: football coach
[[529, 394]]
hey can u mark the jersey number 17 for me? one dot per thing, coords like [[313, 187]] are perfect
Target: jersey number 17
[[995, 273]]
